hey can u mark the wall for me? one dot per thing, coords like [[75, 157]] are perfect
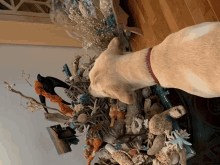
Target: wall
[[24, 139], [35, 34]]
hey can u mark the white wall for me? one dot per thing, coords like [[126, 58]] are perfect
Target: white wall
[[24, 139]]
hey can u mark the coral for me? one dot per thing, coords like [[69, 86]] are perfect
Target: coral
[[122, 158], [96, 142], [141, 159], [113, 114], [121, 115]]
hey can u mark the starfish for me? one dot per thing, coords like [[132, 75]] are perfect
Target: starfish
[[180, 140], [85, 130], [94, 109], [145, 148]]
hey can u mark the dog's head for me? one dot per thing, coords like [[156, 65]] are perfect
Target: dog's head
[[104, 78]]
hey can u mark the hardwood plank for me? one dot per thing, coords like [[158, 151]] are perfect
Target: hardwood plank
[[141, 10], [195, 11], [215, 6], [147, 9], [168, 16], [204, 6], [150, 36], [210, 16], [160, 21], [159, 18], [180, 13]]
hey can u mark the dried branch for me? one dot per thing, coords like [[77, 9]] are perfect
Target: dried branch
[[32, 99], [25, 78], [75, 65]]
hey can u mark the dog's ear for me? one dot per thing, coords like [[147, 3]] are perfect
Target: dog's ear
[[115, 46], [122, 94]]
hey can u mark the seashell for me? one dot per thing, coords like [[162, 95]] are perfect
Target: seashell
[[146, 123], [108, 138], [104, 154], [175, 158], [156, 108], [138, 144], [78, 108], [132, 110], [122, 158], [146, 92], [119, 128], [182, 154], [161, 157], [128, 129], [147, 105], [158, 144], [141, 159], [167, 156], [136, 125], [156, 162], [82, 118], [154, 99]]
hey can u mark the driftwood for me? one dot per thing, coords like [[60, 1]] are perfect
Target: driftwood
[[31, 99]]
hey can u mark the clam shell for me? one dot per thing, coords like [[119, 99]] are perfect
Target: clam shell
[[82, 118]]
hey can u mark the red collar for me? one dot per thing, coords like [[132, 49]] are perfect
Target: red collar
[[149, 67]]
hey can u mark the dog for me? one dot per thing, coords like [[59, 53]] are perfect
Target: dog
[[188, 60]]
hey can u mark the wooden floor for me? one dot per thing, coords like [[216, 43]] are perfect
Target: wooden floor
[[159, 18]]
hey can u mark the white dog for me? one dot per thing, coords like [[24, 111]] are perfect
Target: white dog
[[188, 60]]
